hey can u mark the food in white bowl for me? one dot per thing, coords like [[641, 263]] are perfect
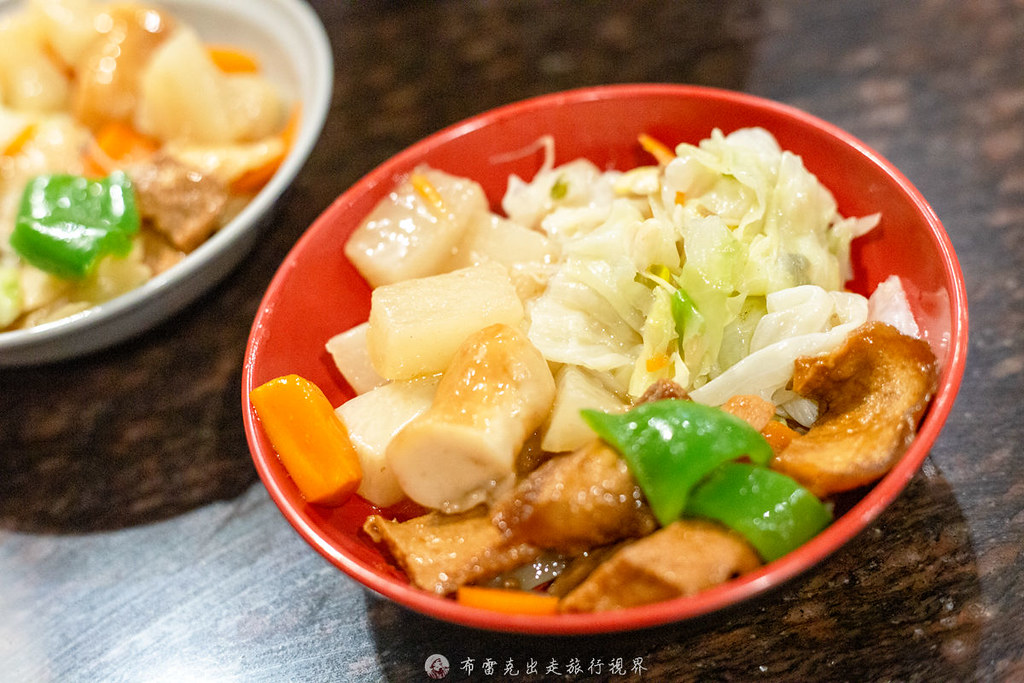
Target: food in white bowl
[[632, 386], [139, 146]]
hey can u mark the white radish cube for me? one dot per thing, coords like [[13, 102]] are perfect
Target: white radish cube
[[499, 239], [348, 349], [575, 389], [529, 255], [408, 236], [416, 325], [181, 93], [372, 419]]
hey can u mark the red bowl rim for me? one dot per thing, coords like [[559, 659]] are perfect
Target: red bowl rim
[[769, 576]]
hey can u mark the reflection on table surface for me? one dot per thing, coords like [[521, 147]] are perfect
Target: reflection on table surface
[[136, 542]]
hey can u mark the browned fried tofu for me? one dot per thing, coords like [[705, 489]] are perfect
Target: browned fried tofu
[[579, 568], [575, 502], [441, 552], [871, 392], [684, 558]]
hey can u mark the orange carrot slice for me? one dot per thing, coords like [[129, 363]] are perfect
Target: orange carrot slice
[[233, 60], [657, 362], [310, 440], [656, 148], [115, 144], [507, 601], [119, 141], [18, 142], [778, 435], [426, 190]]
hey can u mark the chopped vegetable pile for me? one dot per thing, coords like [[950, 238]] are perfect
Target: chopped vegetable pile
[[628, 387], [125, 143]]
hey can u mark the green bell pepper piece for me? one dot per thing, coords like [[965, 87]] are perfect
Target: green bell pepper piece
[[67, 223], [671, 445], [774, 513]]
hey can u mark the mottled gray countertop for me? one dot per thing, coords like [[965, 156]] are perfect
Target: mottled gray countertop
[[137, 544]]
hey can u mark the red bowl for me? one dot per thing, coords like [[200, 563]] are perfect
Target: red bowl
[[317, 293]]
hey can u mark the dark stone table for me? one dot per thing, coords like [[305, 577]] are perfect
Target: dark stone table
[[137, 544]]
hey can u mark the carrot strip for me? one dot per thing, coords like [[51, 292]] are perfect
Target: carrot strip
[[18, 142], [291, 126], [656, 148], [233, 60], [310, 440], [425, 189], [507, 601], [115, 144], [655, 363], [779, 435], [120, 141], [252, 180], [94, 167]]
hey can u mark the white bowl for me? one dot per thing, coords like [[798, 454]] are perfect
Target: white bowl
[[296, 56]]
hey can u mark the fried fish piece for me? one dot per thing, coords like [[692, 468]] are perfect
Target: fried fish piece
[[871, 392]]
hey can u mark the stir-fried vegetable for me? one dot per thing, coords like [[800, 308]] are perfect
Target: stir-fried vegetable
[[680, 452], [774, 513], [671, 302], [656, 148], [671, 445], [117, 143], [18, 142], [114, 87]]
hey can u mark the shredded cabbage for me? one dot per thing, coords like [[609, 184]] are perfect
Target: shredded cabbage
[[888, 304], [800, 321], [715, 271]]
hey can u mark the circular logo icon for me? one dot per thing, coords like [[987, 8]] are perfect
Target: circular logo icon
[[436, 666]]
